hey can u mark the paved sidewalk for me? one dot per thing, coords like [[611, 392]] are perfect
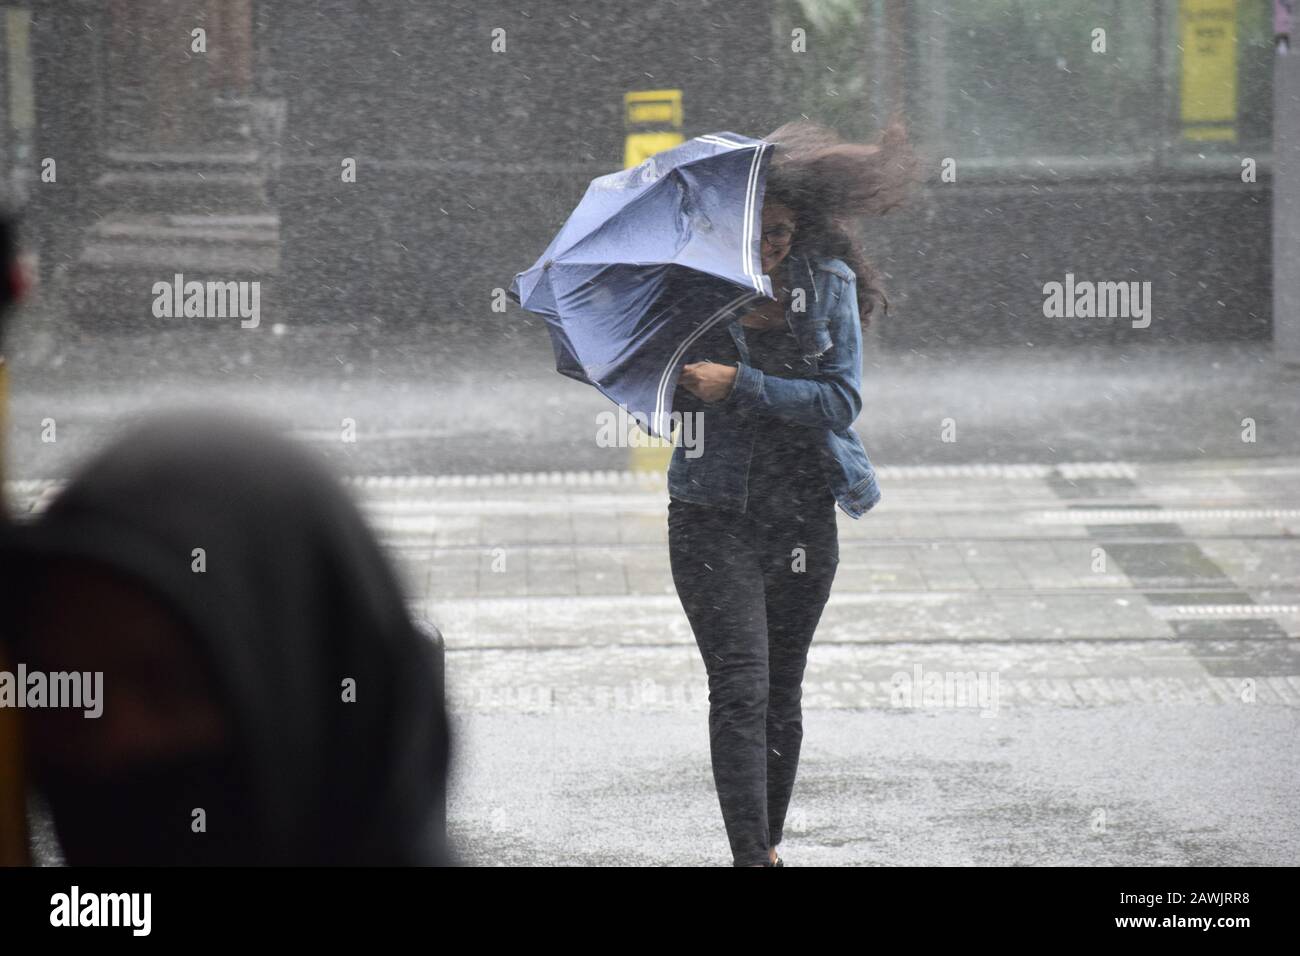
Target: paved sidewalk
[[1115, 651], [1078, 584], [1142, 623]]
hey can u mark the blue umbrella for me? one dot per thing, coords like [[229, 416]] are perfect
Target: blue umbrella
[[652, 258]]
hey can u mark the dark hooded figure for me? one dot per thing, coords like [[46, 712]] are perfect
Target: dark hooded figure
[[266, 697]]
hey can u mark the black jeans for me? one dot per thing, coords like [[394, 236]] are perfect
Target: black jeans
[[753, 586]]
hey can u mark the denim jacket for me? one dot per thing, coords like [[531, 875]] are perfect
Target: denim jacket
[[829, 400]]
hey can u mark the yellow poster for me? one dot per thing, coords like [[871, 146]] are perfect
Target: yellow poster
[[1207, 31]]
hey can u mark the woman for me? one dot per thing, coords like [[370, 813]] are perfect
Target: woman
[[259, 663], [751, 521]]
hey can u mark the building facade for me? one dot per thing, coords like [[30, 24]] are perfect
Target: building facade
[[394, 164]]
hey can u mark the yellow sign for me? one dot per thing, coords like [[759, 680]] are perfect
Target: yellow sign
[[1208, 33], [653, 106], [653, 119]]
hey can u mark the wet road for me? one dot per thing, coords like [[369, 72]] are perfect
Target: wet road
[[1145, 710], [425, 405]]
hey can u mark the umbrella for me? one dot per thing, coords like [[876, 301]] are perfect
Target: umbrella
[[652, 258]]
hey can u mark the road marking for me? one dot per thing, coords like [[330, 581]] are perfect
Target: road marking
[[649, 695], [1157, 515], [1222, 610], [621, 478]]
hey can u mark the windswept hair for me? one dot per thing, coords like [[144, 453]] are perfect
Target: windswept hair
[[828, 183]]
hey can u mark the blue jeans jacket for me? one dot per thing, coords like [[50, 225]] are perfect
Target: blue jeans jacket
[[829, 400]]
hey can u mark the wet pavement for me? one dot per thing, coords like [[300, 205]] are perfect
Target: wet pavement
[[1105, 659], [1139, 703], [1093, 589]]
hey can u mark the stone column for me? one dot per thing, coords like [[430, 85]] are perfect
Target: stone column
[[183, 174]]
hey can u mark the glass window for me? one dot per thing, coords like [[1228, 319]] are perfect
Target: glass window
[[1016, 78], [1003, 83], [826, 69]]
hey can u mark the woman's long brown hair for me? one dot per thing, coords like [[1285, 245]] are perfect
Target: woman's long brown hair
[[828, 183]]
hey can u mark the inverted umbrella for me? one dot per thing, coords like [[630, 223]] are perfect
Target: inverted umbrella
[[651, 259]]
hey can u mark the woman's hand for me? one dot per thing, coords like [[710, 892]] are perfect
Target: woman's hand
[[708, 381]]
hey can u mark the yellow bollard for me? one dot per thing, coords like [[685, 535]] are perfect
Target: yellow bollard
[[647, 453]]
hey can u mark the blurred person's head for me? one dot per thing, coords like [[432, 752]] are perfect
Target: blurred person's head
[[13, 277], [824, 184], [13, 839], [258, 660], [16, 281], [16, 278]]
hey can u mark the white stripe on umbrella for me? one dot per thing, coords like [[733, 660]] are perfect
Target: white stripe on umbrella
[[715, 138], [661, 394], [751, 195]]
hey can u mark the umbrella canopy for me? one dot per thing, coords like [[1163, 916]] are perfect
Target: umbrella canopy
[[651, 259]]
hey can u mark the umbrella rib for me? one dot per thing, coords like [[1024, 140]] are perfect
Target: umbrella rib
[[758, 148], [751, 191], [661, 393], [576, 265]]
